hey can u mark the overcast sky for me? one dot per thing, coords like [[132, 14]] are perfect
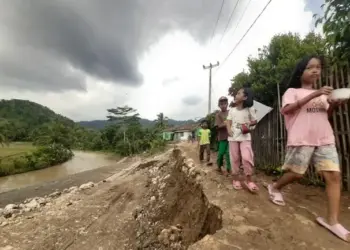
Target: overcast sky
[[81, 57]]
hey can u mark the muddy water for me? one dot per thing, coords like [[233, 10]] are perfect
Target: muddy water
[[82, 161]]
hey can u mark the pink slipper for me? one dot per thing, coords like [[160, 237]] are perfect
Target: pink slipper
[[237, 185], [275, 197], [336, 229], [251, 186]]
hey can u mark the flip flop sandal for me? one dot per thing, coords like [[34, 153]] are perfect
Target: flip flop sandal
[[275, 197], [336, 229], [237, 185], [251, 186]]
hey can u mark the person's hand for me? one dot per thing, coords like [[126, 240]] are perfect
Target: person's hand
[[230, 133], [325, 90]]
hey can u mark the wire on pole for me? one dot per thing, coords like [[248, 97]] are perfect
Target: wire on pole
[[251, 26], [217, 21]]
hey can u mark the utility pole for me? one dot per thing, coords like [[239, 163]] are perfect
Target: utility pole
[[210, 68]]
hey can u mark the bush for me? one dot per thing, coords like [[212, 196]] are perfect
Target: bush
[[139, 146], [43, 157]]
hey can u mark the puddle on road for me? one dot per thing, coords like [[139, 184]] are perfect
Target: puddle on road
[[82, 161]]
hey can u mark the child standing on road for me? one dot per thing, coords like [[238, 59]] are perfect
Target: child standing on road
[[311, 139], [240, 121], [204, 135], [220, 123]]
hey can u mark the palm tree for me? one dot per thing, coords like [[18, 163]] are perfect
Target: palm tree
[[161, 121]]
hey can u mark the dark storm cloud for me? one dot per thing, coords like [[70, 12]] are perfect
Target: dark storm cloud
[[192, 100], [41, 39]]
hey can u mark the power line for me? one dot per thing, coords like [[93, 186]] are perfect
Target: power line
[[251, 26], [217, 20], [241, 17], [239, 21], [228, 22]]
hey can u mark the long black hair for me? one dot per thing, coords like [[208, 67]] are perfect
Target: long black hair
[[249, 102], [295, 79]]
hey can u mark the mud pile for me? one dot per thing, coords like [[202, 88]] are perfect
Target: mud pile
[[158, 203]]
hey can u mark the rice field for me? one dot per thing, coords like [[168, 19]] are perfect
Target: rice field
[[16, 148]]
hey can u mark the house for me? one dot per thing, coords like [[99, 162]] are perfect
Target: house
[[179, 133], [168, 135]]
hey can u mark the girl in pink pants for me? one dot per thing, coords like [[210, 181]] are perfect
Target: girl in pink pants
[[240, 121]]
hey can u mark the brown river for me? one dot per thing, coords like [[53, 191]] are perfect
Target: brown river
[[82, 161]]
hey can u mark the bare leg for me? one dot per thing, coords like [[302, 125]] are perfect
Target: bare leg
[[333, 194], [286, 179]]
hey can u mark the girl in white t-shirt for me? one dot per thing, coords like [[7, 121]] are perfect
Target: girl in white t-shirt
[[240, 121]]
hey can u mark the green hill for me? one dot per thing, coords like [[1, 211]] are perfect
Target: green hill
[[18, 118]]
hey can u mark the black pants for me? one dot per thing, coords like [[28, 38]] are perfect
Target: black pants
[[205, 148]]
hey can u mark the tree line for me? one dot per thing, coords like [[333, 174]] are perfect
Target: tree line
[[55, 137]]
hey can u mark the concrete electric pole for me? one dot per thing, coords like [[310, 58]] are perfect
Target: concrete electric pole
[[210, 67]]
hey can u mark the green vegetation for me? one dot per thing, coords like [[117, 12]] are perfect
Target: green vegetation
[[275, 63], [48, 138], [101, 124], [336, 27], [23, 159], [16, 148], [18, 118]]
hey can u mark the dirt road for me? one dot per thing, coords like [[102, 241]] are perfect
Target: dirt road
[[170, 202], [253, 222]]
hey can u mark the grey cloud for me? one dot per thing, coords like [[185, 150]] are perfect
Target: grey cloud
[[192, 100], [314, 6], [51, 71], [41, 39], [169, 81]]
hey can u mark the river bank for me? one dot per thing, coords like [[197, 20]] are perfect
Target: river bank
[[95, 175]]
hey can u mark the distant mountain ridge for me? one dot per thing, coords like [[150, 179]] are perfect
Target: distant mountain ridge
[[25, 116], [100, 124]]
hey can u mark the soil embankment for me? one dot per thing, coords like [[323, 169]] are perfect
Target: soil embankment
[[168, 202]]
